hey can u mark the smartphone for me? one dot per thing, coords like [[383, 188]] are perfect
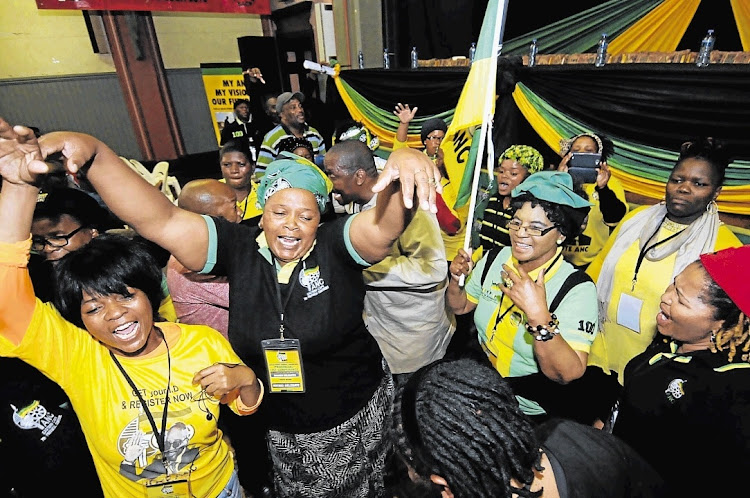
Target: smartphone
[[582, 166]]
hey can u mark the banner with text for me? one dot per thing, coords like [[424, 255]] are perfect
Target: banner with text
[[262, 7], [224, 85]]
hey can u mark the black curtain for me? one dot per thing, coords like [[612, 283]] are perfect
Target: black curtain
[[661, 105]]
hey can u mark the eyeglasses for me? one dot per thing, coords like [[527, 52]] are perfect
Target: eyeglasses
[[435, 137], [516, 226], [56, 241]]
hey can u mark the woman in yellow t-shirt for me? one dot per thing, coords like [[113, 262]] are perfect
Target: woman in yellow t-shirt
[[146, 393], [607, 197]]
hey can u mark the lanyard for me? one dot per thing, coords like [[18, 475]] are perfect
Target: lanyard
[[500, 306], [282, 305], [159, 436], [647, 248]]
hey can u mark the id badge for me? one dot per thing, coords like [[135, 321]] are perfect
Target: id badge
[[173, 486], [284, 365], [629, 312]]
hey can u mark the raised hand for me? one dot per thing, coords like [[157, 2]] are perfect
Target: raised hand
[[21, 160], [602, 175], [528, 295], [404, 113], [415, 171]]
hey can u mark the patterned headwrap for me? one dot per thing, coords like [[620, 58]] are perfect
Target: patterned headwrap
[[526, 156], [294, 172], [567, 143], [361, 133]]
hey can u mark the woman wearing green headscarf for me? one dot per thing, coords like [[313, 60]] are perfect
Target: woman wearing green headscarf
[[514, 165], [534, 312], [296, 296]]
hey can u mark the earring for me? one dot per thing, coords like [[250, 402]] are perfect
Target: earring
[[712, 208], [713, 338], [559, 242]]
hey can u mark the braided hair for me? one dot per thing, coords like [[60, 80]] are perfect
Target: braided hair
[[734, 336], [459, 419]]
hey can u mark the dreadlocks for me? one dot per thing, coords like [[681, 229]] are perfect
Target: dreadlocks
[[459, 419], [735, 334]]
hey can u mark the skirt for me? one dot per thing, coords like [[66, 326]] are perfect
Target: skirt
[[346, 461]]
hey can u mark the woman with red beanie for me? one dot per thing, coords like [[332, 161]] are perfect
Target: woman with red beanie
[[685, 404]]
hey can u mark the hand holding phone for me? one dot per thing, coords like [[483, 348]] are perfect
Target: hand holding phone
[[582, 166]]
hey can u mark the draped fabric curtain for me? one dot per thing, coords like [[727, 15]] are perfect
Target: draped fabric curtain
[[632, 26], [647, 109]]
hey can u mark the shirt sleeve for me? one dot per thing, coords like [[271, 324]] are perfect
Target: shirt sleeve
[[17, 300], [578, 313]]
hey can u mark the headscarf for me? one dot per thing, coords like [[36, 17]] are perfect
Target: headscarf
[[291, 143], [431, 125], [525, 155], [294, 172], [567, 143], [698, 238]]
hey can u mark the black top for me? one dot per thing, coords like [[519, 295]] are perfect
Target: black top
[[689, 415], [342, 362], [494, 224], [42, 448]]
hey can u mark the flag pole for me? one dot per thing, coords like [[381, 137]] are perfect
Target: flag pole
[[489, 99]]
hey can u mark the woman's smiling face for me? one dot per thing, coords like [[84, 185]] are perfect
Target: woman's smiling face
[[122, 323], [290, 221], [533, 251]]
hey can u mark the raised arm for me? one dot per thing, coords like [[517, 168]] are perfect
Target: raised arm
[[135, 201], [20, 166], [374, 231], [405, 115]]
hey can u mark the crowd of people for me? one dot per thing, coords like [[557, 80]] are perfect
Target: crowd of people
[[297, 328]]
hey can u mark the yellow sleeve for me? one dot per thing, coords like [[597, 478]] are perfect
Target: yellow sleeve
[[398, 144], [17, 299]]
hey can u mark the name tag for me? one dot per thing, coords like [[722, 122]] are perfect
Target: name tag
[[629, 312], [174, 486], [284, 365]]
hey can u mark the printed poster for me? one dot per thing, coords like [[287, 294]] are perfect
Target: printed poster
[[224, 85]]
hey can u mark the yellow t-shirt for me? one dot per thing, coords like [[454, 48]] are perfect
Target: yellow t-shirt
[[617, 344], [118, 433], [249, 205], [583, 249]]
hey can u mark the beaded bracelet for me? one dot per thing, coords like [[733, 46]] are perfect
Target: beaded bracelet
[[545, 332]]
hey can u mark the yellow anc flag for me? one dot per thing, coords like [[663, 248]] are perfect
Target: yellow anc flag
[[462, 143]]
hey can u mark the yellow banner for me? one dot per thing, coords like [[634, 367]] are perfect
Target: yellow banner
[[224, 85]]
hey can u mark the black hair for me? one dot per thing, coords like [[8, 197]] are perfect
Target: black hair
[[289, 144], [353, 155], [109, 264], [710, 150], [76, 203], [567, 219], [236, 146], [241, 101], [459, 419], [431, 125]]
